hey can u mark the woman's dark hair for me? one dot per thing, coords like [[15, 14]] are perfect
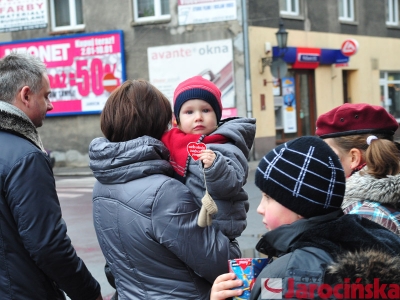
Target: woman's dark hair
[[135, 109]]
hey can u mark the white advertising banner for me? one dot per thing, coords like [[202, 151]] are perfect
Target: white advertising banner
[[289, 104], [170, 65], [22, 14], [206, 11]]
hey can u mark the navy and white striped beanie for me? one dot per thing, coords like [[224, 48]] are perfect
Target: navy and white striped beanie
[[304, 175]]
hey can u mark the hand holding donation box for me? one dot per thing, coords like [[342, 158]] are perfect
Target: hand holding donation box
[[247, 270], [194, 149]]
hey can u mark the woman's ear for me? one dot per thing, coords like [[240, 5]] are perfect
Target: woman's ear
[[356, 158]]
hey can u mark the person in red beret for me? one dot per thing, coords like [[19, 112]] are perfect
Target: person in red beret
[[362, 136]]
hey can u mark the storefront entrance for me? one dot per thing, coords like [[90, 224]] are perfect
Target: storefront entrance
[[295, 110]]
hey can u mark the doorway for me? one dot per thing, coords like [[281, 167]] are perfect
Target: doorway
[[305, 112]]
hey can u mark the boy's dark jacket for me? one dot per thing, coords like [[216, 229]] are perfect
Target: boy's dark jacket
[[307, 247]]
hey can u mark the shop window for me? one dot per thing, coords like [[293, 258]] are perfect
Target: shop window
[[392, 12], [66, 15], [289, 7], [151, 10], [390, 92], [346, 10]]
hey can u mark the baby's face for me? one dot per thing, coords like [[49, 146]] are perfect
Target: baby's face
[[197, 117]]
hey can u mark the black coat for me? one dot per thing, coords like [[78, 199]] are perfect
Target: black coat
[[306, 248], [36, 254]]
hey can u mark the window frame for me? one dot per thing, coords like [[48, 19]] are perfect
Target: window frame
[[157, 13], [72, 18], [392, 17], [292, 12], [384, 83], [348, 16]]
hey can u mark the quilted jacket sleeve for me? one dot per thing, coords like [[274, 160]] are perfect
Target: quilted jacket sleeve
[[33, 201], [230, 170], [205, 250]]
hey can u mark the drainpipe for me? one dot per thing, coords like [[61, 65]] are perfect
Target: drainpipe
[[249, 106]]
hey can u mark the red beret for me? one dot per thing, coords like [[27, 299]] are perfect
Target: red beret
[[352, 119]]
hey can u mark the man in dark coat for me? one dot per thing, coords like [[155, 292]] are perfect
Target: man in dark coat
[[37, 260]]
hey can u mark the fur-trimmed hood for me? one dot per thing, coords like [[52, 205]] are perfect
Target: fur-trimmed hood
[[362, 186], [367, 265], [16, 121]]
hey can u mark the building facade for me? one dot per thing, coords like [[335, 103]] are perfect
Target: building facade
[[318, 77], [162, 41], [337, 51]]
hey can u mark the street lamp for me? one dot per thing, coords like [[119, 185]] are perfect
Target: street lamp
[[281, 38]]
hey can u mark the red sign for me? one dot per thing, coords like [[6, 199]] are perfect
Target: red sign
[[349, 47], [307, 58], [110, 82]]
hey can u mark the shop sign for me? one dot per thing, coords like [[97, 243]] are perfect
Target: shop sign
[[83, 69], [206, 11], [349, 47], [18, 15], [310, 58]]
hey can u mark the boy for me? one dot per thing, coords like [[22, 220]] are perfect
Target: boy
[[302, 184], [223, 166]]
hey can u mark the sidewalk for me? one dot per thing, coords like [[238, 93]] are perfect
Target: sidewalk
[[72, 171]]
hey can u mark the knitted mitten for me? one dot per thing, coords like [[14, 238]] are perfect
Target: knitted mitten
[[208, 209]]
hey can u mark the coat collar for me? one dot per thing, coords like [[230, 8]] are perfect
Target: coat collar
[[16, 121], [362, 186]]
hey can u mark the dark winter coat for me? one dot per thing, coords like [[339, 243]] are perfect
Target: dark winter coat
[[305, 248], [146, 224], [36, 255]]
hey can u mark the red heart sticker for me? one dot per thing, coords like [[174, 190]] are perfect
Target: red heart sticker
[[194, 149]]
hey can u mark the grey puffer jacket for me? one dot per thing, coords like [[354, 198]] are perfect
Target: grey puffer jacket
[[375, 199], [227, 176], [146, 224]]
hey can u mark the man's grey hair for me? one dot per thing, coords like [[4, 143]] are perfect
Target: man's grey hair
[[18, 70]]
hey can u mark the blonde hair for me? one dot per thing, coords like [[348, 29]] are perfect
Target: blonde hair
[[382, 156]]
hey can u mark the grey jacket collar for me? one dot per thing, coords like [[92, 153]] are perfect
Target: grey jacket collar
[[14, 120], [361, 186], [113, 163]]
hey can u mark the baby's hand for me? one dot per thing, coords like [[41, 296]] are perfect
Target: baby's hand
[[222, 287], [207, 157]]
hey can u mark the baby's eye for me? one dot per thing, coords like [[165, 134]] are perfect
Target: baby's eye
[[206, 110], [188, 112]]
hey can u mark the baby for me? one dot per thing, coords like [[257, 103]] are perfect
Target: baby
[[222, 168]]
